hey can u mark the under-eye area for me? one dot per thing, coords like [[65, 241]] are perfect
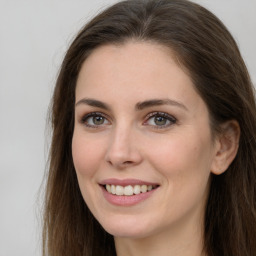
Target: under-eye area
[[128, 190]]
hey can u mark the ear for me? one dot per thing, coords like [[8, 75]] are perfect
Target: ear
[[226, 146]]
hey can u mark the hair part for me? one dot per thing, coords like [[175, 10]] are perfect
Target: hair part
[[206, 50]]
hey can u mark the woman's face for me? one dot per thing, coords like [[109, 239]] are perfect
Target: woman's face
[[141, 131]]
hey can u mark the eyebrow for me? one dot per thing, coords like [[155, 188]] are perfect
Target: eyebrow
[[93, 103], [159, 102], [138, 106]]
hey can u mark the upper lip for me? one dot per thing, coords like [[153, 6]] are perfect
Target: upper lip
[[126, 182]]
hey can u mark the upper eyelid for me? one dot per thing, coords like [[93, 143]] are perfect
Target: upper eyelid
[[153, 113], [160, 113], [95, 113]]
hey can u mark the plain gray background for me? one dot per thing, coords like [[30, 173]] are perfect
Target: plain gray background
[[34, 36]]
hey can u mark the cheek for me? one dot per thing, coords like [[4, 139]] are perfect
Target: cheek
[[185, 170], [183, 160], [178, 151], [86, 155]]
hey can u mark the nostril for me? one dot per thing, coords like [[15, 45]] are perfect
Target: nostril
[[121, 164], [127, 162]]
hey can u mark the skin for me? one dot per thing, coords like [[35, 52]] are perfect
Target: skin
[[179, 156]]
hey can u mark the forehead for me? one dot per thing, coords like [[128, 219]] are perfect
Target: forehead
[[135, 70]]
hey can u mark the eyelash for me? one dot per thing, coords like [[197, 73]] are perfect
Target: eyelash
[[172, 120], [93, 114]]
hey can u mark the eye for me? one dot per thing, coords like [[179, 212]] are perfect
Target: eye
[[160, 120], [95, 120]]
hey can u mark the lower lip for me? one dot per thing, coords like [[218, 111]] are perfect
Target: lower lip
[[126, 200]]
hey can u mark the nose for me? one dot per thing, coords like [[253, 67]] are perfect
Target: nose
[[123, 151]]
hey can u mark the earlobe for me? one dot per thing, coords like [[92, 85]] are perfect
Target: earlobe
[[226, 146]]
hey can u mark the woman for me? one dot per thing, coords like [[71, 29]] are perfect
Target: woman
[[153, 147]]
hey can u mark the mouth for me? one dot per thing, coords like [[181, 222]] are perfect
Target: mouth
[[128, 190]]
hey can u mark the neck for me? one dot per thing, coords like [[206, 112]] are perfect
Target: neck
[[179, 242]]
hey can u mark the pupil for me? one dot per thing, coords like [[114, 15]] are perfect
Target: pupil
[[98, 120], [159, 120]]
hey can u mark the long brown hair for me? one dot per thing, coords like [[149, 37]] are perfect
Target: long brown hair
[[205, 48]]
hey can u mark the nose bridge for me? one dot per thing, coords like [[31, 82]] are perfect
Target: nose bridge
[[122, 149], [120, 137]]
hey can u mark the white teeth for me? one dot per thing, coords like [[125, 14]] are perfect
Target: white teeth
[[150, 187], [128, 190], [113, 189], [119, 190], [143, 189], [136, 189], [108, 187]]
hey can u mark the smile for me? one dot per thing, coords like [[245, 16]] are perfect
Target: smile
[[128, 190]]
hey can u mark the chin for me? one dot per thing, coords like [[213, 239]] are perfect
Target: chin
[[127, 227]]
